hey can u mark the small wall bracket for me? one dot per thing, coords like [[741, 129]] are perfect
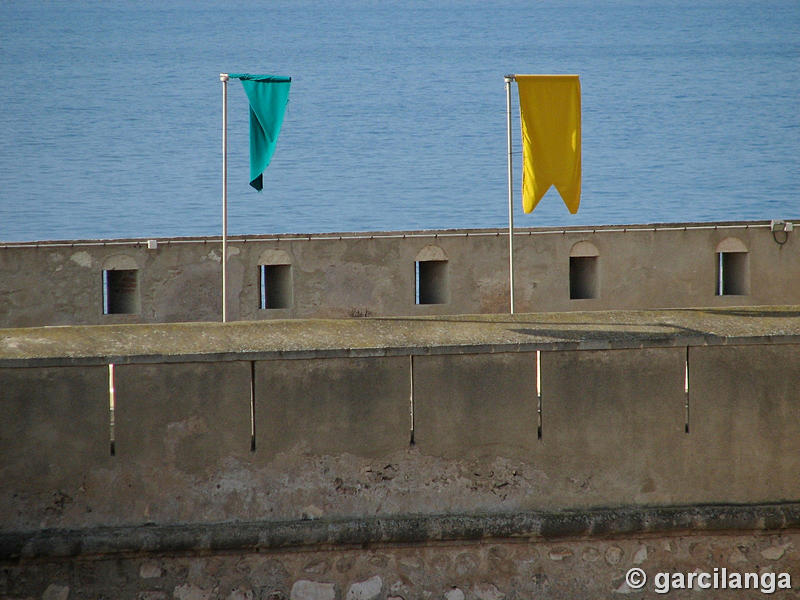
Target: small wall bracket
[[778, 227]]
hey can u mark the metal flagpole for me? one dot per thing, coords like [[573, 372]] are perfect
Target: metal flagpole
[[223, 77], [508, 80]]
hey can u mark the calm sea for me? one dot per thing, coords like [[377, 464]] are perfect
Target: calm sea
[[111, 113]]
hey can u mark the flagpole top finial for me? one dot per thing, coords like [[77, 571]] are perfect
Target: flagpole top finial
[[223, 77], [510, 78]]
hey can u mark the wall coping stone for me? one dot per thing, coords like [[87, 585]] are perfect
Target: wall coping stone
[[411, 233], [396, 336], [411, 529]]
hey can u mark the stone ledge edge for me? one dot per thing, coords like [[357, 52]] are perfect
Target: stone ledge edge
[[410, 529], [389, 351]]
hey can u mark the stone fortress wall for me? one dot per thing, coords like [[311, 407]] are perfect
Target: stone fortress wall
[[437, 448], [665, 440], [399, 273]]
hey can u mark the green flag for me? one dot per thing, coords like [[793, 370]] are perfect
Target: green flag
[[268, 96]]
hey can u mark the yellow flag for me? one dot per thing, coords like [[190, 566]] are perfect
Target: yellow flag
[[550, 110]]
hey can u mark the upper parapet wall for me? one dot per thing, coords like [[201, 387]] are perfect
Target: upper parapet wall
[[410, 273]]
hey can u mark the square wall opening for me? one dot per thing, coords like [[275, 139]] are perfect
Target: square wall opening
[[431, 282], [733, 274], [275, 284], [121, 291], [582, 277]]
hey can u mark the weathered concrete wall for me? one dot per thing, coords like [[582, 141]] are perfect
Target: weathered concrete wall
[[745, 416], [256, 466], [357, 406], [332, 435], [637, 267], [614, 420], [53, 433], [175, 424], [476, 405]]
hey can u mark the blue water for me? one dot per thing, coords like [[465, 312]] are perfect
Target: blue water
[[111, 121]]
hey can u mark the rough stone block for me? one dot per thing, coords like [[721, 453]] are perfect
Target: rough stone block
[[311, 590], [369, 589], [56, 592]]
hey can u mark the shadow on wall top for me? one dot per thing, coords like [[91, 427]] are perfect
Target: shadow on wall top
[[616, 335], [751, 313]]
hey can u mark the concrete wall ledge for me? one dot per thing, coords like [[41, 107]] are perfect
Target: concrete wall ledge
[[395, 336], [410, 233], [385, 531]]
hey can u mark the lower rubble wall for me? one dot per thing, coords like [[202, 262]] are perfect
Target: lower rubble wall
[[569, 554]]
